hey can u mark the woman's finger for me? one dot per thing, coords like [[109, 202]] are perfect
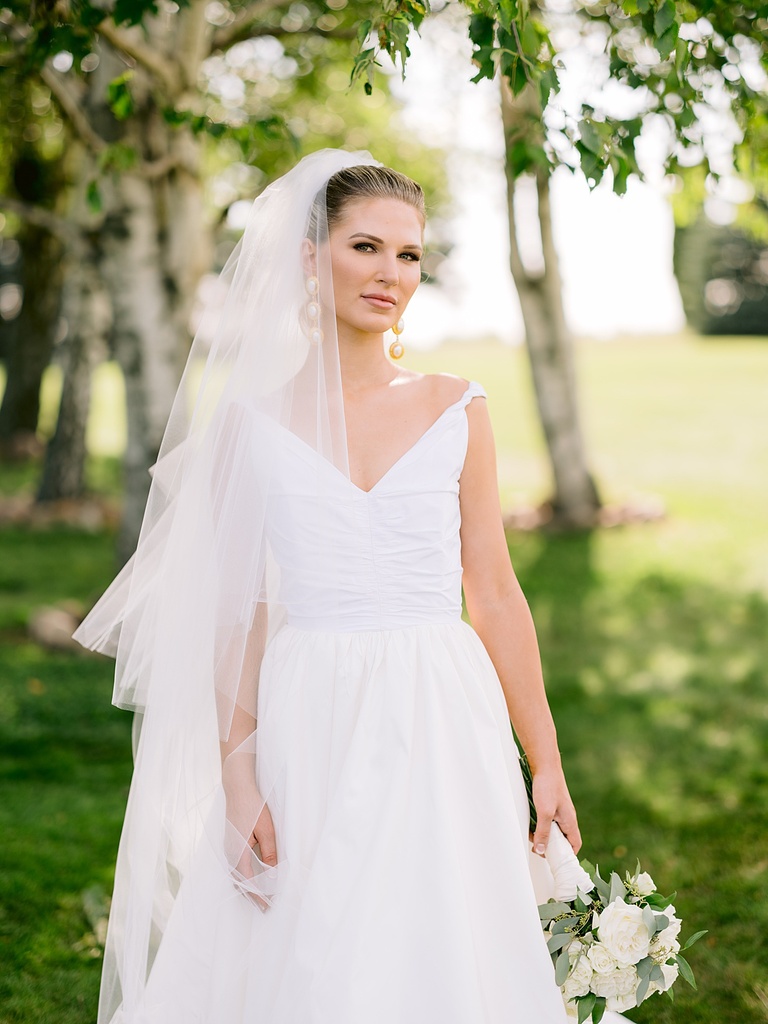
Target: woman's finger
[[543, 828], [569, 826]]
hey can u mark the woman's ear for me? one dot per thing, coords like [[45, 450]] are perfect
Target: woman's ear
[[309, 257]]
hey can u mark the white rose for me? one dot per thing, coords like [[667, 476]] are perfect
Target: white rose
[[668, 938], [623, 932], [619, 1003], [602, 961], [644, 885], [671, 972], [579, 980], [619, 983]]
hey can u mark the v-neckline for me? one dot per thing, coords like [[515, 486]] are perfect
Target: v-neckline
[[396, 463], [408, 450]]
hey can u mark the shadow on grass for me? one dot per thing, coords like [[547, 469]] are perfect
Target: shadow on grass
[[658, 685]]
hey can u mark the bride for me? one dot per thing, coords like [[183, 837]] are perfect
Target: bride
[[327, 822]]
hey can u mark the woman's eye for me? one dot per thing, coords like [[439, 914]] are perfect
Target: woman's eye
[[411, 256], [364, 247]]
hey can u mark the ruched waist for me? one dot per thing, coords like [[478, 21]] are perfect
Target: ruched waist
[[367, 622]]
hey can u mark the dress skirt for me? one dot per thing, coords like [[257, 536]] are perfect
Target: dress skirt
[[406, 887]]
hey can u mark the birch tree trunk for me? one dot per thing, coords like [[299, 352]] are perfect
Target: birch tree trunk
[[156, 246], [575, 500], [86, 311]]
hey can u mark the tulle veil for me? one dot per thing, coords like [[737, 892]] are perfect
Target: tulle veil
[[188, 618]]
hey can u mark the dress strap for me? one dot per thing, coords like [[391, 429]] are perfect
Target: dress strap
[[473, 391]]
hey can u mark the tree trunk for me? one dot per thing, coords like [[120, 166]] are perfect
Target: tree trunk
[[575, 501], [86, 311], [155, 249], [31, 340]]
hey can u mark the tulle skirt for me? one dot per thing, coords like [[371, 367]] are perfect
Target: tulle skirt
[[407, 892]]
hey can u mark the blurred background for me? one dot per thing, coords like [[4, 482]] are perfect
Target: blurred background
[[597, 259]]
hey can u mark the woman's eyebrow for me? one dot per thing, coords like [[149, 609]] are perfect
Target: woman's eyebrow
[[373, 238]]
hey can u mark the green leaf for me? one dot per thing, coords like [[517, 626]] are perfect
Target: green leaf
[[93, 197], [582, 902], [664, 17], [618, 889], [695, 938], [661, 902], [644, 967], [586, 1005], [591, 140], [621, 172], [119, 96], [642, 989], [599, 1010], [562, 966], [666, 43], [685, 970], [558, 942], [549, 911], [682, 56]]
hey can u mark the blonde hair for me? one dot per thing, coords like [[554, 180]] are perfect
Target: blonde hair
[[365, 181]]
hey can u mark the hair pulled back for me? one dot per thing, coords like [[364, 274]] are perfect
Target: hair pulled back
[[365, 181]]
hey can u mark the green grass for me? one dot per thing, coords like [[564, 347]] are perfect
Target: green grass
[[654, 638]]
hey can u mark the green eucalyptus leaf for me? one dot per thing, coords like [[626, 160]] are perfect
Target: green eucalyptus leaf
[[642, 989], [618, 889], [557, 942], [599, 1010], [644, 967], [549, 911], [562, 966], [685, 969], [694, 938]]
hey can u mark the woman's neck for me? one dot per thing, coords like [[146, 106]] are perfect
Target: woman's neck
[[363, 363]]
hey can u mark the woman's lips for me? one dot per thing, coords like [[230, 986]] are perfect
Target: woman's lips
[[379, 302]]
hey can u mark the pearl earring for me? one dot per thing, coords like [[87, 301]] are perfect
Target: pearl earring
[[312, 310], [396, 349]]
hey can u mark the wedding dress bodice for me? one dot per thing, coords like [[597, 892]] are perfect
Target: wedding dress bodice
[[385, 558]]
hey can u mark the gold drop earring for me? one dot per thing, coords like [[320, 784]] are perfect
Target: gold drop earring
[[397, 348], [312, 309]]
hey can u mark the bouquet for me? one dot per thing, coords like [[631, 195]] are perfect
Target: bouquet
[[613, 942]]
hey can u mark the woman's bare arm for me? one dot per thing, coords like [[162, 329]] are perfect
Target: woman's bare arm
[[501, 617]]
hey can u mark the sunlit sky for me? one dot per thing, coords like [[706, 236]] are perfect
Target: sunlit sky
[[615, 252]]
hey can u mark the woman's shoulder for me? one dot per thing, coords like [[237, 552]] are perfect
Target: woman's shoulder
[[441, 389]]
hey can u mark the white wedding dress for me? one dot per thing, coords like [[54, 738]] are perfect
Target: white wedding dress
[[407, 891]]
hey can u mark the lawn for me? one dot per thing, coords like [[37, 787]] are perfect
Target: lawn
[[654, 638]]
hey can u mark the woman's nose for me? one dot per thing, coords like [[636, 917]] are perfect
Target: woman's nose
[[388, 271]]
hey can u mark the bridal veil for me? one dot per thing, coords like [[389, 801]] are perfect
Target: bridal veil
[[188, 617]]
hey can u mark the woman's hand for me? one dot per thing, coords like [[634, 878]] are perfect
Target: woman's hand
[[553, 803], [249, 816]]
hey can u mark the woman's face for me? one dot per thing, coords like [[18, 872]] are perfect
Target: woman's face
[[375, 251]]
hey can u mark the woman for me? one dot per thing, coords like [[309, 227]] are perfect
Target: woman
[[355, 847]]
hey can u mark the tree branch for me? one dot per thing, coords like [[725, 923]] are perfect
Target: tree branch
[[71, 109], [161, 66], [244, 25], [63, 229]]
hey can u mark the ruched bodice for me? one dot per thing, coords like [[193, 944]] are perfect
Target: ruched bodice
[[390, 557]]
